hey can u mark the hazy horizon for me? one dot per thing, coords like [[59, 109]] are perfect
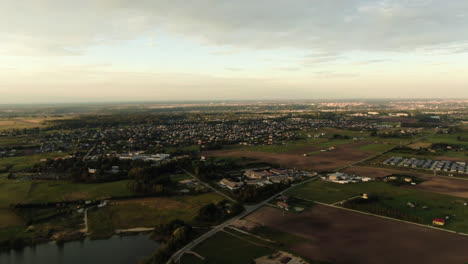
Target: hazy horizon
[[134, 51]]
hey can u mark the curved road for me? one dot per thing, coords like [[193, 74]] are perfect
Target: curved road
[[249, 209]]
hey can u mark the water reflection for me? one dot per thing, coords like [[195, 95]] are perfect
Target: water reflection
[[116, 250]]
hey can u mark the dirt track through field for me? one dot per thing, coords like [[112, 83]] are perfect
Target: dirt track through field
[[341, 236], [343, 155]]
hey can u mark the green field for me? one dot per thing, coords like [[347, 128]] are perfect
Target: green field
[[288, 146], [43, 191], [16, 191], [283, 238], [462, 155], [180, 177], [394, 198], [376, 148], [229, 250], [191, 259], [17, 141], [383, 144], [147, 212], [12, 191], [448, 139], [23, 162]]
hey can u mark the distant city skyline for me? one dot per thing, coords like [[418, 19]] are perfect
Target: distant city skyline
[[108, 51]]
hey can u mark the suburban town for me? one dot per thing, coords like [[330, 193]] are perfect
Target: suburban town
[[239, 180], [234, 132]]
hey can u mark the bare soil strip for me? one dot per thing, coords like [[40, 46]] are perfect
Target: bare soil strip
[[341, 236]]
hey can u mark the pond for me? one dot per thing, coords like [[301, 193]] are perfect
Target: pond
[[116, 250]]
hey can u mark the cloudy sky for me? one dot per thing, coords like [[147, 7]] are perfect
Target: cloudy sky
[[131, 50]]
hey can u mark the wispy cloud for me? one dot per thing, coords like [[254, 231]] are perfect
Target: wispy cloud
[[333, 25]]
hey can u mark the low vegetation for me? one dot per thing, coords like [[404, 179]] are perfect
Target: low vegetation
[[410, 204]]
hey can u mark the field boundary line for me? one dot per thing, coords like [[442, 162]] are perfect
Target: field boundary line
[[349, 199], [250, 234], [244, 239], [385, 217], [196, 254]]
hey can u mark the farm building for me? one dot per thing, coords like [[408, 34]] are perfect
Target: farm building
[[229, 184], [283, 205], [438, 222]]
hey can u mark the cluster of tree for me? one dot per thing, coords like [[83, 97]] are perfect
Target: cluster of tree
[[176, 234], [338, 136], [407, 150], [214, 213], [213, 168], [445, 146], [76, 169], [149, 179], [395, 134], [114, 120], [400, 179], [374, 207], [250, 193]]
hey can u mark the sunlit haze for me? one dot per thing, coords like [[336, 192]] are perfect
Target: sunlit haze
[[98, 51]]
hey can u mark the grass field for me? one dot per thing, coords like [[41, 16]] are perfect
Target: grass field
[[180, 177], [12, 191], [392, 197], [282, 238], [147, 212], [448, 139], [17, 141], [43, 191], [25, 122], [288, 146], [23, 162], [229, 250], [376, 148], [15, 191]]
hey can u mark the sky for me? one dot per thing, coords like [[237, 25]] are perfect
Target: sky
[[162, 50]]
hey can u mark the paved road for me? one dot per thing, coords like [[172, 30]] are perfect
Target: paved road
[[209, 186], [85, 218], [176, 256], [89, 152], [249, 209]]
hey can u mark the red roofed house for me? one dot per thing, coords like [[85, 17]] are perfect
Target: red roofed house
[[229, 184], [438, 221], [283, 205]]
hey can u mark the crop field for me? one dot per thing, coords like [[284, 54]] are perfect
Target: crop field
[[146, 212], [392, 198], [340, 236], [25, 122], [342, 155]]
